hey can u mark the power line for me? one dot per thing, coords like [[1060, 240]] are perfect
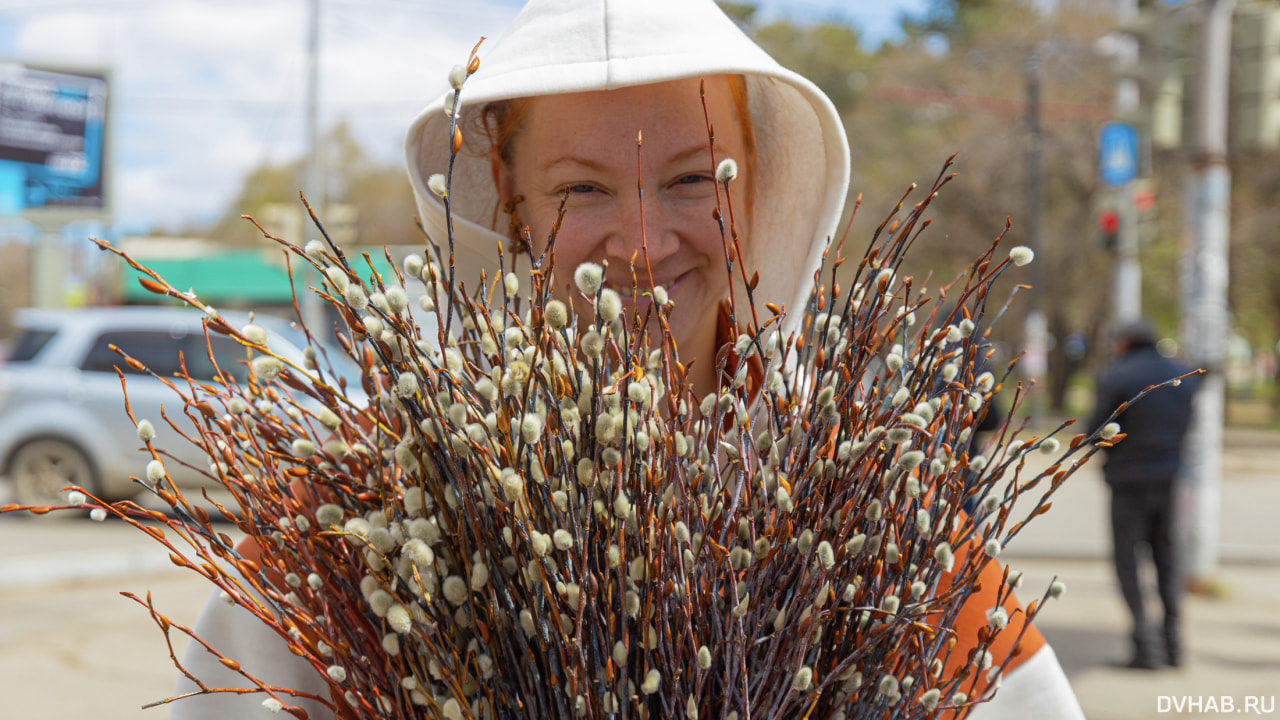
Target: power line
[[1009, 107]]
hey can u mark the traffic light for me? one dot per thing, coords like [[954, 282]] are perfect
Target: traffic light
[[1109, 226]]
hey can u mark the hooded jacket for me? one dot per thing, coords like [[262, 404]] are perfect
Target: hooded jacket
[[554, 47], [801, 176]]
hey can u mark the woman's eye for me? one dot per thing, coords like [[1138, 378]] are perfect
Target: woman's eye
[[692, 179], [580, 188]]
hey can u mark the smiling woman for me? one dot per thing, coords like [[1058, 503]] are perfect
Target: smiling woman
[[581, 147], [553, 117]]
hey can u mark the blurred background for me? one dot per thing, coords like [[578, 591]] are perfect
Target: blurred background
[[1134, 145]]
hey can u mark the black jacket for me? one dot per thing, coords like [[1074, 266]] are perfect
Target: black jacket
[[1154, 426]]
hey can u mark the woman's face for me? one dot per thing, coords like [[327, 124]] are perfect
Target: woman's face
[[585, 144]]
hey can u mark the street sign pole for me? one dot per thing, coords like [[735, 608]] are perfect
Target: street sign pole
[[310, 305], [48, 266], [1127, 278], [1128, 270], [1117, 168]]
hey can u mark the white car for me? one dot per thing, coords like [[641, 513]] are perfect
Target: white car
[[62, 416]]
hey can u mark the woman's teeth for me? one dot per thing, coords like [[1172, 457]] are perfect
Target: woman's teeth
[[629, 291]]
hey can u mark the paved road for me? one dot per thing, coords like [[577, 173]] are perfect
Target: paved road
[[71, 646], [80, 650], [1078, 524], [1233, 643]]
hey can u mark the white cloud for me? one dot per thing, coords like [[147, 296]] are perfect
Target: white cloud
[[204, 90]]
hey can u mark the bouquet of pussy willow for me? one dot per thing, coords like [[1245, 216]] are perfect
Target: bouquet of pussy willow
[[533, 515]]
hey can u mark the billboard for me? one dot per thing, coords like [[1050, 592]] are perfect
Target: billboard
[[52, 141]]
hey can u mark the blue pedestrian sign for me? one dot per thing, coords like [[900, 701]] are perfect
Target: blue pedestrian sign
[[1117, 154]]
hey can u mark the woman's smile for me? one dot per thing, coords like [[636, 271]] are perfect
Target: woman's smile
[[643, 287]]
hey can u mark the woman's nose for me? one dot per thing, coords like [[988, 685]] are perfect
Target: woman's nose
[[657, 238]]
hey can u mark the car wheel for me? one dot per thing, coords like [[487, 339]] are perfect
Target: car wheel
[[42, 468]]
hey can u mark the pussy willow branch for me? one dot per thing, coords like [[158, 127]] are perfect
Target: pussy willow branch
[[632, 526]]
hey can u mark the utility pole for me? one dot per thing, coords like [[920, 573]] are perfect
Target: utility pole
[[1035, 172], [1035, 362], [1205, 317], [1127, 272], [311, 306]]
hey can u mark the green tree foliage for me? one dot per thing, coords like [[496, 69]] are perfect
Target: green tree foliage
[[960, 21], [742, 13], [265, 184], [975, 106], [829, 54], [1254, 290], [380, 194], [957, 84]]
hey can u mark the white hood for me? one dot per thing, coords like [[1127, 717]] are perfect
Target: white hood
[[565, 46]]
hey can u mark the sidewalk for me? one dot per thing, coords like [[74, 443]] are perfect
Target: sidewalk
[[70, 646], [1232, 642]]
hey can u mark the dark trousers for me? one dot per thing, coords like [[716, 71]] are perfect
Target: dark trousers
[[1143, 515]]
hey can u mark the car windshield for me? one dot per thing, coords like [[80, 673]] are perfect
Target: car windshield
[[166, 352], [29, 344]]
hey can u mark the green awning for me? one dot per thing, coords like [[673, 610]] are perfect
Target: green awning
[[240, 277]]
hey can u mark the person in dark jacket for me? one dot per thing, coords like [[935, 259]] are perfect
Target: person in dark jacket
[[1141, 470]]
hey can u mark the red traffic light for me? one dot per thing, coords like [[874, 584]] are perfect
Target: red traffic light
[[1108, 221]]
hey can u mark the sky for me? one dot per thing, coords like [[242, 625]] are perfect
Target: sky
[[203, 91]]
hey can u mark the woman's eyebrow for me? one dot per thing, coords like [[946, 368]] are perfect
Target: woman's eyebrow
[[690, 152], [700, 149], [573, 160]]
